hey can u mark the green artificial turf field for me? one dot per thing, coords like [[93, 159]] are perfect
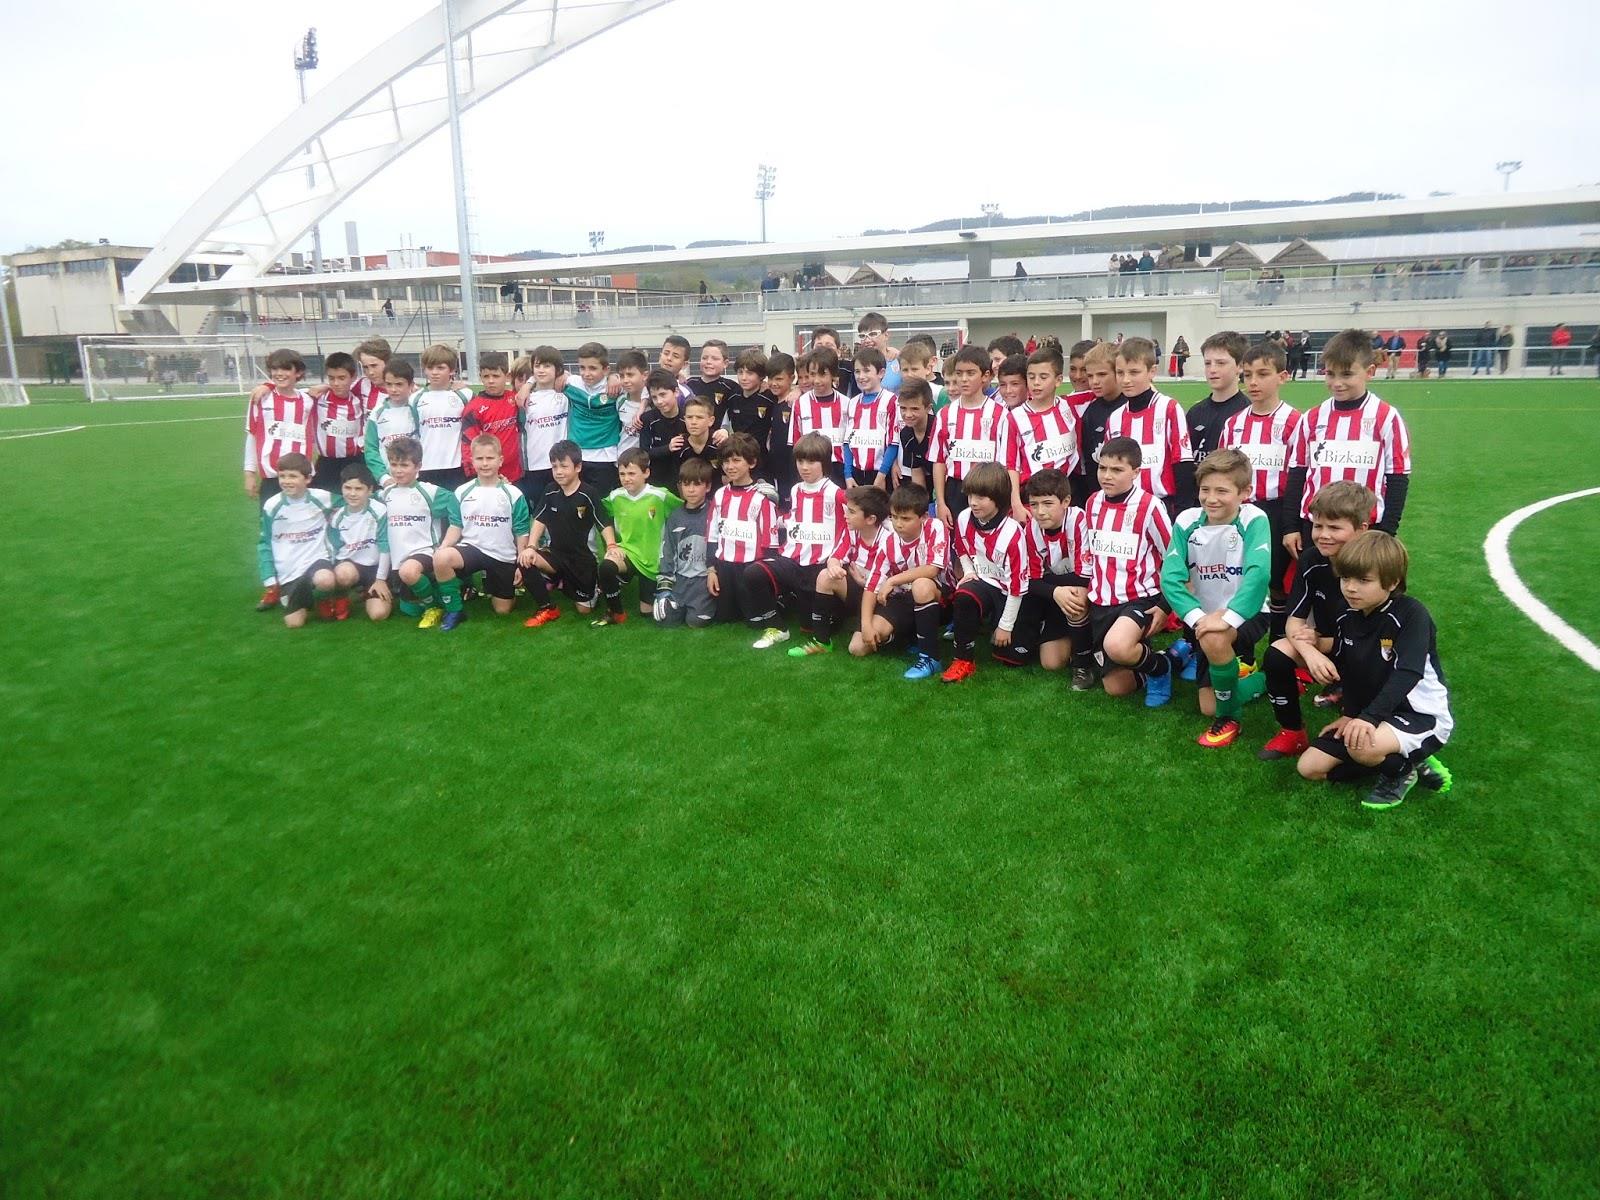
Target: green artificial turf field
[[369, 911]]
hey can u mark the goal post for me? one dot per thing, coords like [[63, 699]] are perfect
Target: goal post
[[13, 394], [170, 368]]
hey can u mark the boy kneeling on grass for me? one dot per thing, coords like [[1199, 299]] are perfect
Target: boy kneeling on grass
[[1396, 709], [419, 515], [295, 554]]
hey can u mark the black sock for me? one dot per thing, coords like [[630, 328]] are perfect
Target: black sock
[[534, 582], [1153, 664], [1346, 771], [827, 612], [967, 614], [928, 618], [1283, 691], [1394, 764], [1278, 621]]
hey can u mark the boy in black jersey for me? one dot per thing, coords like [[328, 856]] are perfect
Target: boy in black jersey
[[1223, 355], [1396, 708], [1100, 372], [711, 384], [663, 434], [1339, 512], [916, 426], [568, 512], [781, 376], [750, 409]]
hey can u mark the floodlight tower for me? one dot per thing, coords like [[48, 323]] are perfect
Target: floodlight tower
[[766, 184], [597, 238], [305, 59], [1507, 170], [458, 169], [991, 211]]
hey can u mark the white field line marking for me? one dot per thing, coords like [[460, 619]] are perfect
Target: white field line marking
[[112, 425], [1496, 550], [33, 433]]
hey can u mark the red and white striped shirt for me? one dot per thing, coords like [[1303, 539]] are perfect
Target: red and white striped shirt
[[1063, 551], [855, 551], [341, 425], [744, 524], [1126, 542], [930, 548], [1077, 402], [1265, 439], [1046, 439], [872, 425], [824, 415], [816, 521], [277, 425], [1163, 437], [997, 554], [963, 437], [370, 394], [1364, 443]]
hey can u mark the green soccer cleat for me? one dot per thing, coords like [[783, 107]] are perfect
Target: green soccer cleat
[[809, 647], [1435, 776], [431, 618], [1390, 790]]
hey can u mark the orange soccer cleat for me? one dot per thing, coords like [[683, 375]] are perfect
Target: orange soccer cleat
[[958, 671], [543, 617]]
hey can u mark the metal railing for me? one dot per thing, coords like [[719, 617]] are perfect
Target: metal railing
[[1411, 286]]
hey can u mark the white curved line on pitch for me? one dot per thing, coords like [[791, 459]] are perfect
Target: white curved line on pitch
[[31, 433], [1496, 550]]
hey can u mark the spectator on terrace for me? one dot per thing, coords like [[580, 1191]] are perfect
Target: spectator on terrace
[[1180, 355], [1503, 345], [1483, 350], [1560, 339], [1442, 351]]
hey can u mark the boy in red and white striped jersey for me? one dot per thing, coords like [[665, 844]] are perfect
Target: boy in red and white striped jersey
[[278, 420], [1128, 532], [908, 581], [842, 580], [1053, 626], [1264, 432], [341, 423], [1047, 430], [373, 357], [1156, 421], [969, 432], [821, 410], [815, 525], [988, 545], [1353, 435], [743, 530], [871, 423]]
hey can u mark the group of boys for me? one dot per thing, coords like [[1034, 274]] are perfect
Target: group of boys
[[1073, 523]]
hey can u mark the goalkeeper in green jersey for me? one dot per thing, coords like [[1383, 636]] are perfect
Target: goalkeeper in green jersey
[[639, 511]]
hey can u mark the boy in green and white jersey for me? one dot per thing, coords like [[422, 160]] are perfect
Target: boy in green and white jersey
[[394, 416], [639, 512], [439, 408], [420, 514], [594, 420], [1215, 578], [359, 531], [493, 528], [295, 555]]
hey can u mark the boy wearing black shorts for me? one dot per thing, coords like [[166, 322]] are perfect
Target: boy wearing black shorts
[[359, 531], [569, 512], [494, 527]]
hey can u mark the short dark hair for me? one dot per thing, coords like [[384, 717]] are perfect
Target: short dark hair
[[813, 447], [694, 470], [360, 472], [377, 347], [824, 331], [909, 497], [286, 360], [992, 480], [593, 350], [824, 358], [340, 361], [440, 355], [872, 320], [660, 378], [714, 344], [1137, 349], [403, 449], [1079, 349], [1267, 352], [869, 356], [1350, 348], [925, 339], [1007, 343], [1233, 344], [634, 457], [705, 402], [567, 451], [294, 461], [1123, 449], [917, 391], [549, 356], [1375, 553], [1048, 354], [633, 358], [872, 501], [742, 445], [780, 364], [1048, 482], [751, 359], [1345, 500], [971, 353], [494, 360], [400, 369], [678, 340], [1014, 364]]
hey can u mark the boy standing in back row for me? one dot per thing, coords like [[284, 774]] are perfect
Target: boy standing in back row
[[439, 407], [1156, 421], [1223, 356], [494, 411]]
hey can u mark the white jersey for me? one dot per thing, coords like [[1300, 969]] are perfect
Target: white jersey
[[418, 516], [439, 415], [361, 536], [493, 518], [544, 423], [629, 409], [294, 536]]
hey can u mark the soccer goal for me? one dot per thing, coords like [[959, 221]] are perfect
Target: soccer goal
[[12, 395], [147, 368]]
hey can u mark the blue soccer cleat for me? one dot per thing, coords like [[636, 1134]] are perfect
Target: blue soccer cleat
[[923, 668], [1158, 690], [1185, 660]]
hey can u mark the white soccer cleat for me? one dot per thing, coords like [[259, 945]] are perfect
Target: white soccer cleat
[[770, 638]]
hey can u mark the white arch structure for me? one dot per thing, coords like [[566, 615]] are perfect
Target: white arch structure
[[363, 121]]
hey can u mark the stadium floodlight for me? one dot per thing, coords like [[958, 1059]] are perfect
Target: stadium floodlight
[[597, 238], [991, 211], [766, 184], [1507, 170], [305, 59]]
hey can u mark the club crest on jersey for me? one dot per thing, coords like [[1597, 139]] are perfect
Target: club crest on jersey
[[1386, 648], [583, 510], [761, 411]]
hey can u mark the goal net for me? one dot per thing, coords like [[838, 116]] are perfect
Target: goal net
[[142, 368], [12, 395]]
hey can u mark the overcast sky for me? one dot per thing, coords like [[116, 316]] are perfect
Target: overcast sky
[[890, 113]]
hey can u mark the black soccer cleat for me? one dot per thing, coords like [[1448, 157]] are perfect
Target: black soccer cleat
[[1390, 790]]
